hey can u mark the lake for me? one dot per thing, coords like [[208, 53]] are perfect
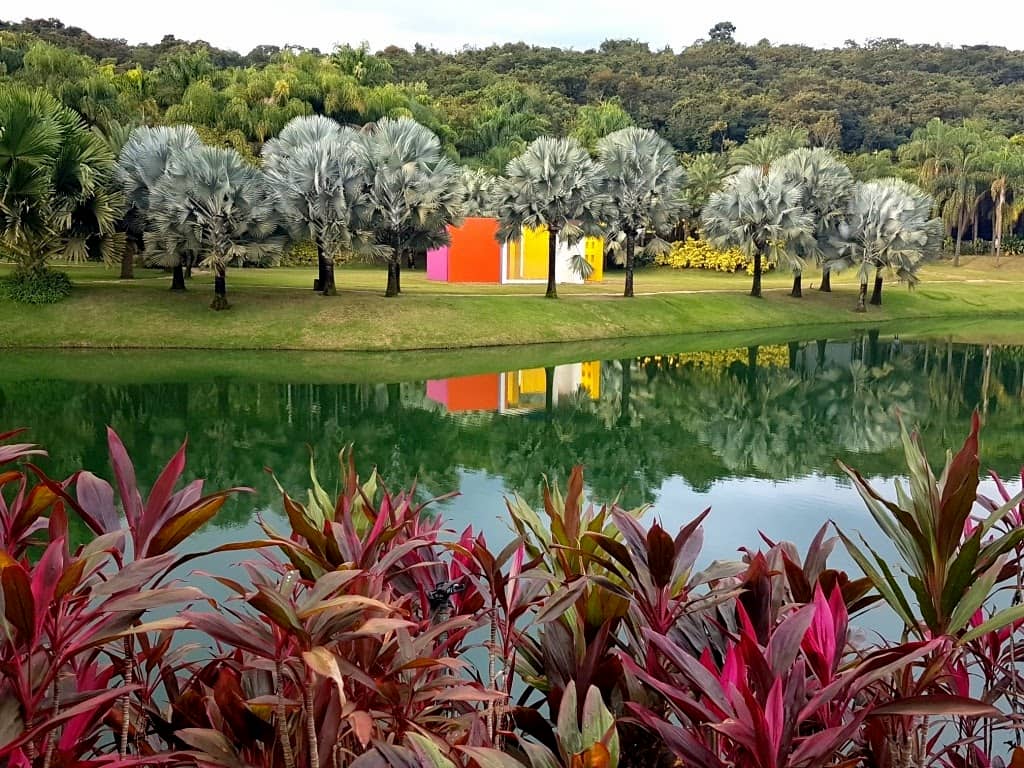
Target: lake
[[753, 432]]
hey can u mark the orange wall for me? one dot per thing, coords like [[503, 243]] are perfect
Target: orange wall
[[474, 393], [475, 254]]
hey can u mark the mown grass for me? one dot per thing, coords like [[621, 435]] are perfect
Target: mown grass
[[276, 310]]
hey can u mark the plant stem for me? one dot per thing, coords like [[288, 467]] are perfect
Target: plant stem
[[307, 700], [51, 738], [122, 749], [279, 717]]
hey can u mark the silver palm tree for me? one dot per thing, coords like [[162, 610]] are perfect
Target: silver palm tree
[[826, 184], [642, 182], [412, 192], [478, 188], [553, 184], [760, 213], [888, 226], [211, 203], [314, 170], [141, 163]]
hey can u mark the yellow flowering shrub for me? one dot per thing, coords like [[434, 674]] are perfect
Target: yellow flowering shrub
[[700, 254], [718, 360]]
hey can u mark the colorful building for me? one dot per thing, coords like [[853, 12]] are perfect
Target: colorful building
[[475, 256], [515, 391]]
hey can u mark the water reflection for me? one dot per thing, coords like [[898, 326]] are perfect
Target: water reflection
[[642, 426]]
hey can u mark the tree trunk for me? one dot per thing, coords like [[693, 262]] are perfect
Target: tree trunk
[[630, 249], [862, 297], [997, 226], [188, 268], [798, 290], [220, 289], [549, 391], [327, 278], [398, 277], [826, 280], [321, 269], [961, 222], [625, 391], [392, 289], [128, 262], [876, 294], [822, 350], [411, 260], [178, 277], [755, 289], [552, 292]]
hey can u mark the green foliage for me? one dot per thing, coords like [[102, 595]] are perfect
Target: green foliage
[[45, 286], [299, 254]]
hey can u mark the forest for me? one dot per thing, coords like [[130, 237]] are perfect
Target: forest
[[487, 103]]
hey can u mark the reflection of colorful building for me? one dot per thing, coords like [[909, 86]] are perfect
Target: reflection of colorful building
[[475, 256], [516, 391]]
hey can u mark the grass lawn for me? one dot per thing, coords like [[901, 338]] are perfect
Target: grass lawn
[[276, 309]]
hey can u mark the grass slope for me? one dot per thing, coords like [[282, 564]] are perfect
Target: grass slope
[[274, 309]]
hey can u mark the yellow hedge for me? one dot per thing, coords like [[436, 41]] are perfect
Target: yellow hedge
[[716, 361], [700, 254]]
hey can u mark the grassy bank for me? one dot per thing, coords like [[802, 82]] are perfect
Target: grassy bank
[[275, 310]]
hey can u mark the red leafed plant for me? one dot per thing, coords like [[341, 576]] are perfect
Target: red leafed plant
[[355, 637]]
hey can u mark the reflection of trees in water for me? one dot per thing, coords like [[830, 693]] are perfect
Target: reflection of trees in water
[[791, 413]]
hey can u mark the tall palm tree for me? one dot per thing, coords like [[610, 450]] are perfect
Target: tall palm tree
[[58, 197], [1005, 162], [761, 214], [952, 160], [642, 182], [826, 184], [553, 184], [705, 175], [141, 163], [316, 176], [412, 192], [888, 226], [212, 203]]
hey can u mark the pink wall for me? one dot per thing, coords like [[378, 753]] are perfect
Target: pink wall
[[437, 264], [437, 390]]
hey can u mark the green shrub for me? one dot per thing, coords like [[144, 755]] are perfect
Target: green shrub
[[299, 254], [44, 287], [1013, 245]]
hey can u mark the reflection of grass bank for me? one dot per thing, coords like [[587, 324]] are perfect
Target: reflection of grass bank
[[271, 312], [140, 366]]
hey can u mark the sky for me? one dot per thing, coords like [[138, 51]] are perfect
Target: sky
[[452, 24]]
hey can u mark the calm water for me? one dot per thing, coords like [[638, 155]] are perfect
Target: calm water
[[752, 432]]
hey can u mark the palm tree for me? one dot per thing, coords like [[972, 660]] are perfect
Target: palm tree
[[57, 192], [595, 121], [642, 182], [705, 175], [761, 214], [1005, 161], [478, 187], [141, 163], [952, 166], [826, 184], [316, 176], [553, 184], [412, 192], [888, 226], [212, 203], [765, 149]]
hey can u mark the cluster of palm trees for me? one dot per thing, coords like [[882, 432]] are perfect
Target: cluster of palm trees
[[964, 164], [387, 191], [803, 208]]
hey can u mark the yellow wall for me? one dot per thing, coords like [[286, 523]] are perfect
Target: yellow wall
[[535, 254], [590, 378], [593, 252]]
